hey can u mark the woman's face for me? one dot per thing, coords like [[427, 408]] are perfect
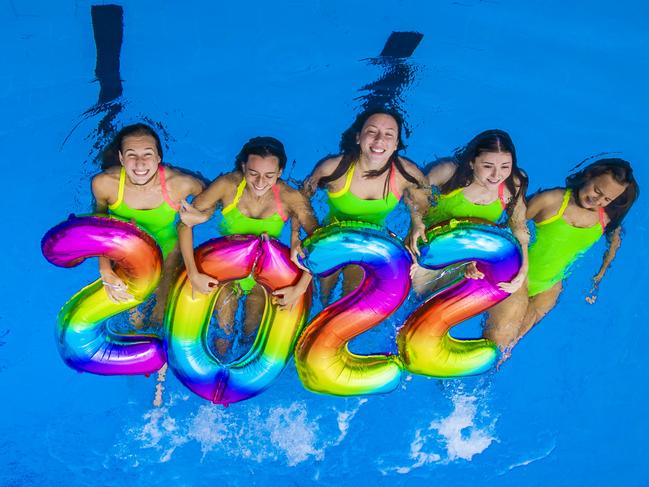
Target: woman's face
[[599, 192], [379, 138], [261, 173], [490, 169], [140, 158]]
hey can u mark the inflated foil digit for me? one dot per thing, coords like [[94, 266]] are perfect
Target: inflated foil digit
[[323, 360], [425, 345], [84, 340], [188, 317]]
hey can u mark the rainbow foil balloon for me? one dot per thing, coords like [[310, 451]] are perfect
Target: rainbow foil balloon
[[187, 320], [83, 339], [425, 345], [323, 360]]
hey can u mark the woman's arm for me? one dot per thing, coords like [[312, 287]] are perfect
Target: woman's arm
[[613, 246], [518, 225], [201, 210], [417, 199], [301, 214], [101, 185], [323, 169], [440, 173]]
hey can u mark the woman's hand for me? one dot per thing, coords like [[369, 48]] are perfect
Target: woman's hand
[[417, 231], [286, 297], [515, 284], [471, 271], [422, 280], [592, 294], [189, 215], [296, 253], [202, 283], [115, 288]]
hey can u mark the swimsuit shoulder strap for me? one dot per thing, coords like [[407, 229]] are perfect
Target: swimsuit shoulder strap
[[120, 189], [501, 195], [601, 219], [278, 203], [237, 197], [393, 183], [451, 194], [163, 187], [564, 205], [348, 182]]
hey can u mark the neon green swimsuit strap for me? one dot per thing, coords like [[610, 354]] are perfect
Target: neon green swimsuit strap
[[237, 197], [236, 223], [456, 205], [562, 209], [345, 205], [120, 189], [158, 221], [348, 183], [557, 246]]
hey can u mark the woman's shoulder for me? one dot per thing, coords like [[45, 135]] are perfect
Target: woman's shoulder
[[288, 193], [550, 196], [181, 184], [411, 167], [441, 172], [545, 203], [106, 181], [327, 166], [412, 170]]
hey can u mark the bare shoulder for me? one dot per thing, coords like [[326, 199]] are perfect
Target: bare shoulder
[[288, 194], [326, 167], [105, 184], [549, 197], [412, 169], [545, 203], [180, 184], [441, 172]]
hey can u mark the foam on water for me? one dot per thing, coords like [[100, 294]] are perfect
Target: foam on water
[[464, 433], [288, 433]]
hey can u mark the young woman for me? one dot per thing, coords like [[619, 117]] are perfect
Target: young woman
[[483, 181], [568, 221], [135, 185], [367, 181], [253, 201]]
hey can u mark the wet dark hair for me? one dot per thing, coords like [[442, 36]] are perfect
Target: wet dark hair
[[110, 155], [261, 146], [494, 140], [621, 171], [351, 151]]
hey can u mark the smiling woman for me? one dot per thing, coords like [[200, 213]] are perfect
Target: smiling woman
[[136, 186], [254, 202], [568, 221], [481, 181], [366, 182]]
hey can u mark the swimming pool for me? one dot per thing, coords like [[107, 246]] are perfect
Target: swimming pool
[[566, 80]]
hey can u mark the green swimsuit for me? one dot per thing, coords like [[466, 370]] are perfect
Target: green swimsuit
[[345, 205], [236, 223], [558, 244], [160, 221], [456, 205]]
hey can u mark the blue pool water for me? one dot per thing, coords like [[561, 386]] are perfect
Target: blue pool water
[[567, 80]]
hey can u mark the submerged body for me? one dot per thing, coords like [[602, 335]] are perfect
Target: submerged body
[[568, 222], [254, 201]]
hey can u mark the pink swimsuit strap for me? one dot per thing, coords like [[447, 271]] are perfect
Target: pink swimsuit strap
[[163, 187], [278, 203], [501, 195], [393, 183]]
